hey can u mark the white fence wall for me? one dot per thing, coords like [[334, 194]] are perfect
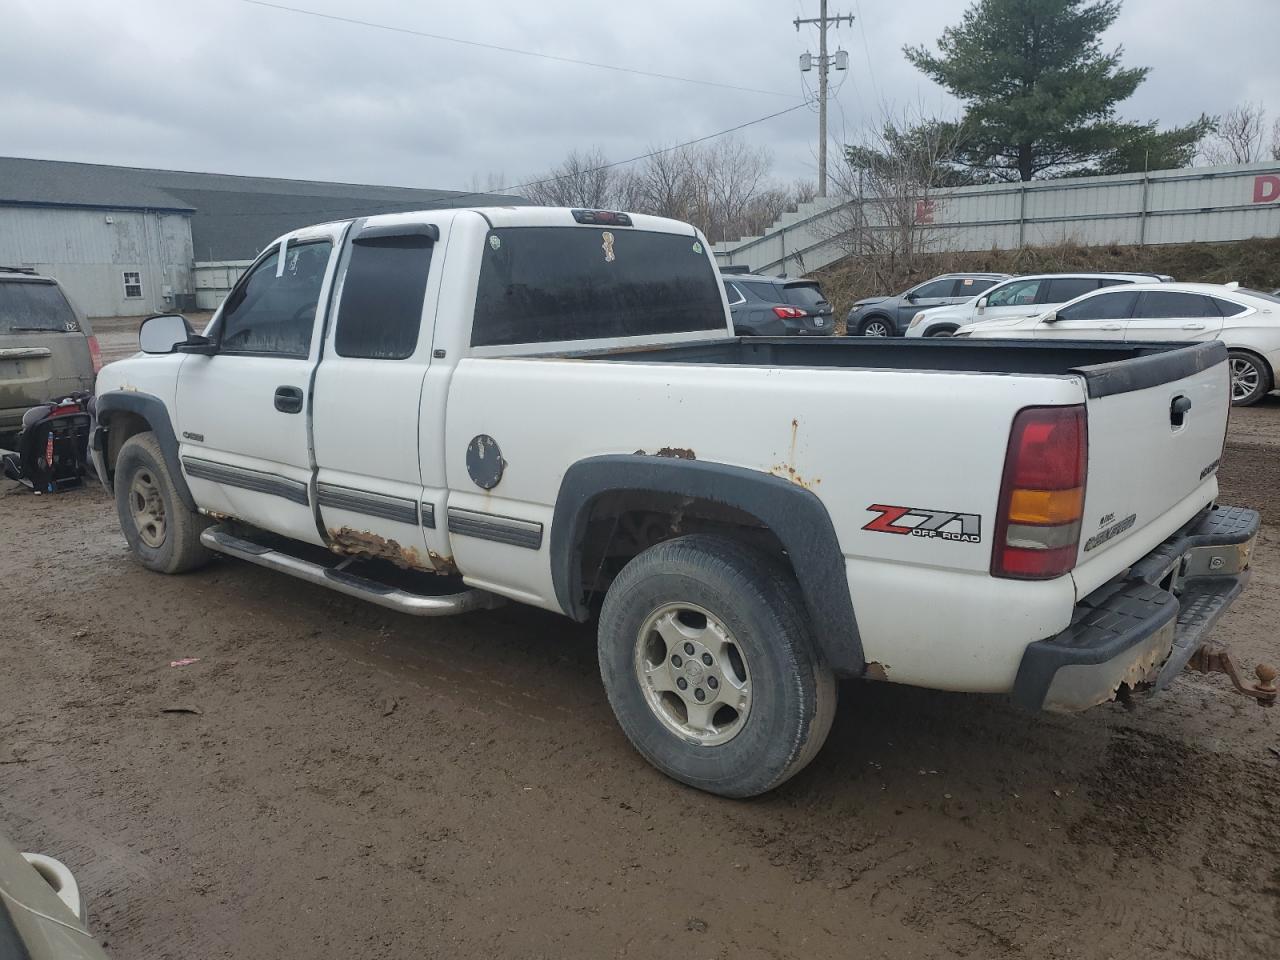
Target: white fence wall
[[1165, 206], [214, 279]]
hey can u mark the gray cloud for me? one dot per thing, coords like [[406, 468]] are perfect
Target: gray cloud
[[223, 86]]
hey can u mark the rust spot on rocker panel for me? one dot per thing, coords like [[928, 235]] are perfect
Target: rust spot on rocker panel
[[370, 546], [442, 564]]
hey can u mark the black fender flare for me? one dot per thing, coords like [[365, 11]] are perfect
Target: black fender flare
[[151, 409], [795, 516]]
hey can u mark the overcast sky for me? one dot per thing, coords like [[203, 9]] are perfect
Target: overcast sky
[[223, 86]]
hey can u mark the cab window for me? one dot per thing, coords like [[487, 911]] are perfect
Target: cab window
[[275, 315]]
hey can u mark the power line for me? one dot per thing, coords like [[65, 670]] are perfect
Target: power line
[[493, 46], [455, 196]]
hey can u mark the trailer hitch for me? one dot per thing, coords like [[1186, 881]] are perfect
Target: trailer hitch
[[1218, 660]]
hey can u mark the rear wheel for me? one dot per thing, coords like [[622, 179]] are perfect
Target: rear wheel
[[163, 534], [876, 327], [1250, 378], [710, 668]]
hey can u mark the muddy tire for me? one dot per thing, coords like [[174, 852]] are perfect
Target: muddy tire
[[163, 534], [710, 667]]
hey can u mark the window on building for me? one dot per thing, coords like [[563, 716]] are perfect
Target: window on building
[[381, 308], [132, 285], [275, 315]]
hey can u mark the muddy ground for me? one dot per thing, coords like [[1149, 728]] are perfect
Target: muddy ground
[[356, 783]]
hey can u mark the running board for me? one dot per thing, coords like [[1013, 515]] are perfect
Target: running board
[[415, 604]]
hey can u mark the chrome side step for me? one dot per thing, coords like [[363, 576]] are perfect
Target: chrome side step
[[416, 604]]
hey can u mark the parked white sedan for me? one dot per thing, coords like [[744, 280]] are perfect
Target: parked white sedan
[[1247, 321]]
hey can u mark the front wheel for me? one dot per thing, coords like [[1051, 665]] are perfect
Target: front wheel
[[876, 327], [163, 534], [708, 663], [1250, 379]]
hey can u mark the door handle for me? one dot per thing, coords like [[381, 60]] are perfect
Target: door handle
[[289, 399], [1111, 326], [1193, 326]]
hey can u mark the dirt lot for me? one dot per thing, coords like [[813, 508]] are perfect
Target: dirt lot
[[361, 784]]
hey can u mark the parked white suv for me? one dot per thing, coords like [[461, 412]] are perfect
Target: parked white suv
[[1247, 321], [1026, 296]]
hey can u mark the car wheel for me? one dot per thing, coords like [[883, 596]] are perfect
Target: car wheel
[[1250, 378], [941, 332], [163, 534], [876, 327], [709, 665]]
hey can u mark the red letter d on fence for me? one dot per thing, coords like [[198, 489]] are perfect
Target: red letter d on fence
[[1266, 188]]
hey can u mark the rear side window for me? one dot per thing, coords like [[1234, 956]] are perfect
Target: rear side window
[[934, 289], [1162, 305], [380, 312], [1227, 308], [1105, 306], [1062, 289], [972, 286], [762, 291], [35, 306], [734, 294], [804, 295], [548, 284]]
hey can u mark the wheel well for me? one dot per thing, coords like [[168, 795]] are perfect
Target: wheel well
[[883, 318], [941, 328], [623, 524], [121, 425]]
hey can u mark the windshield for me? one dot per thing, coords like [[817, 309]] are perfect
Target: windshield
[[34, 305], [804, 295], [549, 284]]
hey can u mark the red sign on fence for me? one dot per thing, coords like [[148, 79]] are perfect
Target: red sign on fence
[[1266, 188]]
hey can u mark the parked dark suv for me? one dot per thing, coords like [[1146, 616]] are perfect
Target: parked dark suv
[[777, 306], [889, 316]]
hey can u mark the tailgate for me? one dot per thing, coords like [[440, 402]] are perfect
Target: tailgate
[[1156, 429]]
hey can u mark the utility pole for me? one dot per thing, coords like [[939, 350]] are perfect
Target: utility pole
[[841, 61]]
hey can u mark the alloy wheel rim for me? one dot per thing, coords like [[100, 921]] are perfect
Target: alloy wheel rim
[[146, 506], [875, 329], [1245, 378], [693, 674]]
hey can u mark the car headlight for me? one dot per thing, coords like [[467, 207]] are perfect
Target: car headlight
[[916, 320]]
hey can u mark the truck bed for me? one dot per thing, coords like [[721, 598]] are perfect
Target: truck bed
[[1107, 368]]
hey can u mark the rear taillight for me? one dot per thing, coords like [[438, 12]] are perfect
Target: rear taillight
[[789, 313], [95, 354], [1041, 494]]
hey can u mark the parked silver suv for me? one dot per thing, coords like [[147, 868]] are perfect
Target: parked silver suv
[[47, 349]]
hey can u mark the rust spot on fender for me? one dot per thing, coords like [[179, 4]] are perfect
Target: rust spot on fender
[[442, 564], [876, 671], [370, 546], [679, 453], [788, 472]]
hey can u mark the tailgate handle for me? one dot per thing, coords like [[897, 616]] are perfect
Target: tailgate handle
[[1178, 411]]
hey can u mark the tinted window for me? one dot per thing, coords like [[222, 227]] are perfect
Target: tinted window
[[35, 306], [935, 288], [762, 291], [1161, 305], [1015, 293], [1227, 308], [1105, 306], [381, 308], [270, 314], [733, 293], [972, 286], [1062, 289], [543, 284], [804, 295]]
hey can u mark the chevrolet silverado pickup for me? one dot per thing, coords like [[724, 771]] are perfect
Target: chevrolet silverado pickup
[[441, 411]]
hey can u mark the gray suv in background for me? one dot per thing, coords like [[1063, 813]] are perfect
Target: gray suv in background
[[777, 306], [47, 349], [889, 316]]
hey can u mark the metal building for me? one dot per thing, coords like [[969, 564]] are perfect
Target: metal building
[[124, 240]]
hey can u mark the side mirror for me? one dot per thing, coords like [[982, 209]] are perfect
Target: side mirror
[[982, 303], [912, 297], [163, 333], [1050, 317]]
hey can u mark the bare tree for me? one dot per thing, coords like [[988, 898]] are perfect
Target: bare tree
[[581, 180], [1240, 136], [890, 187], [1274, 149]]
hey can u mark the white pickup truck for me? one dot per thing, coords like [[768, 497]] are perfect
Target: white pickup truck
[[438, 411]]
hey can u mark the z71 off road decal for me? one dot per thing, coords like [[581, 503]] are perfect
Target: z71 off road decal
[[920, 522]]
